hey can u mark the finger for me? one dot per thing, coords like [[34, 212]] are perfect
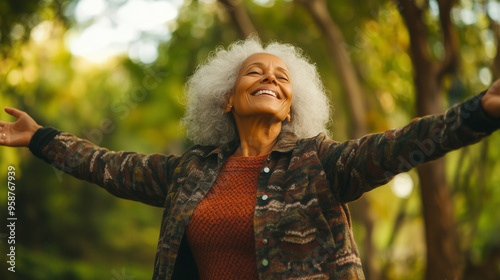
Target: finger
[[13, 112]]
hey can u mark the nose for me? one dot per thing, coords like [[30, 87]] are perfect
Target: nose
[[270, 79]]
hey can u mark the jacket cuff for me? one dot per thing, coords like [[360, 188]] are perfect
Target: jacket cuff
[[474, 116], [41, 138]]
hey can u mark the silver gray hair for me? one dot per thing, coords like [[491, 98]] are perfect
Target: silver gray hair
[[208, 90]]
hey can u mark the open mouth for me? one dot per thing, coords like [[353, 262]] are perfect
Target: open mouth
[[266, 92]]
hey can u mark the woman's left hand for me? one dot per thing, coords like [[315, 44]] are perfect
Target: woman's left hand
[[18, 133], [491, 100]]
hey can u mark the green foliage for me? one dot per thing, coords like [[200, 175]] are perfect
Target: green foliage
[[69, 229]]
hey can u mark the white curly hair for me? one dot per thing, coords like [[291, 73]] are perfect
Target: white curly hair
[[208, 89]]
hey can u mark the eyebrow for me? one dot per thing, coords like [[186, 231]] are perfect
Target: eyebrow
[[262, 64]]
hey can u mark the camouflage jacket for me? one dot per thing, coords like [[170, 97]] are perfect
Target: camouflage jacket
[[302, 224]]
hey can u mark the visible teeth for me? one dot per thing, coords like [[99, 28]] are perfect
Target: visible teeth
[[265, 91]]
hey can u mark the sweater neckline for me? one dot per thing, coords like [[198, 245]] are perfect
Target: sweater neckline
[[244, 163]]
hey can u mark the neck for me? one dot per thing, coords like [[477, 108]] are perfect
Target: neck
[[257, 138]]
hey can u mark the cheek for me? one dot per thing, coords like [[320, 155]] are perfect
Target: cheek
[[289, 100], [241, 100], [288, 90]]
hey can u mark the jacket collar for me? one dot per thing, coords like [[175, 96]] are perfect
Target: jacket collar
[[286, 142]]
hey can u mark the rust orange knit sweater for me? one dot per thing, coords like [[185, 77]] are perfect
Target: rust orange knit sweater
[[220, 232]]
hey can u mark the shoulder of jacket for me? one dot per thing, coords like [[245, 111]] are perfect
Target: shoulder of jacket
[[198, 150], [318, 139]]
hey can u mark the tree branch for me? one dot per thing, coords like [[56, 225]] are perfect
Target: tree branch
[[412, 15], [495, 27], [345, 69], [450, 39], [240, 17]]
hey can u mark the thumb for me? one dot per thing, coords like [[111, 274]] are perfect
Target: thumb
[[13, 112]]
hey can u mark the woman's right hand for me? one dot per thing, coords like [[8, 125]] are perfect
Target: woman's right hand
[[20, 132]]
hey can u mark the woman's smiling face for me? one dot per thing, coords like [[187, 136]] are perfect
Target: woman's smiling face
[[262, 88]]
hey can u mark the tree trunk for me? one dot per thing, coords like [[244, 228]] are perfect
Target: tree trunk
[[444, 260], [357, 114]]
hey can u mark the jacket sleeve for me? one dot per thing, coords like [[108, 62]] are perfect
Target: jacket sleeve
[[357, 166], [139, 177]]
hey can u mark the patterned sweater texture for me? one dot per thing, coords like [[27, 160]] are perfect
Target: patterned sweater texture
[[302, 227], [220, 232]]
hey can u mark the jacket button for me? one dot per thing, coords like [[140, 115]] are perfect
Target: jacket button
[[264, 241], [265, 262], [266, 169], [265, 197]]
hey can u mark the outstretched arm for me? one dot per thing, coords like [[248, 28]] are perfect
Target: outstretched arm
[[20, 132], [360, 165], [139, 177]]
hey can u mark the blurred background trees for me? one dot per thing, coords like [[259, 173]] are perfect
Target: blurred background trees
[[113, 72]]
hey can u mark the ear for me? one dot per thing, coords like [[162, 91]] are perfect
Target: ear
[[229, 104], [288, 118]]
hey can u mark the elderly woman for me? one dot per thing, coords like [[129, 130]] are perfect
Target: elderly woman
[[263, 194]]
